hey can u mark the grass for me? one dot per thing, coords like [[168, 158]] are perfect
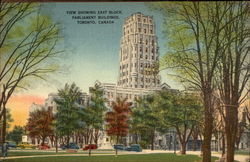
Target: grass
[[121, 158], [242, 152], [23, 153]]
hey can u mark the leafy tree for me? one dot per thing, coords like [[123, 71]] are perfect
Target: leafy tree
[[234, 69], [8, 121], [68, 110], [40, 124], [117, 119], [94, 113], [197, 41], [16, 134], [146, 117], [28, 43], [184, 114]]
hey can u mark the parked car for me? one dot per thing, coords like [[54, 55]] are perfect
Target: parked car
[[119, 147], [91, 147], [70, 146], [134, 147], [43, 147], [25, 145], [11, 144]]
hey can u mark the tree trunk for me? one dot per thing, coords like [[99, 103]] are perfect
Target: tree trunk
[[183, 148], [4, 125], [231, 130], [208, 126], [223, 146], [43, 140], [68, 138], [194, 144], [56, 143], [3, 132], [152, 139], [96, 136], [136, 138]]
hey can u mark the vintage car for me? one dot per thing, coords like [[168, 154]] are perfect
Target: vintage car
[[43, 147], [134, 147], [90, 146], [11, 144], [119, 147], [70, 146]]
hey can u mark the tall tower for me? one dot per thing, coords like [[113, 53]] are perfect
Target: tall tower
[[139, 56]]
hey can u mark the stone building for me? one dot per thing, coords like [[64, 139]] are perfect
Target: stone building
[[139, 53]]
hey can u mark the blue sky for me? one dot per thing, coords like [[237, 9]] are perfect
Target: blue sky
[[92, 50]]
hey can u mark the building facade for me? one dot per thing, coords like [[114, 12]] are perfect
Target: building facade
[[139, 53]]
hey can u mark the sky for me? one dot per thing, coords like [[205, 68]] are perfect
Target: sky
[[91, 52]]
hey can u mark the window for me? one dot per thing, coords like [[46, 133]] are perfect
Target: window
[[153, 57], [139, 30], [146, 42], [140, 49], [145, 31], [146, 49], [141, 64], [140, 56], [151, 31], [139, 19], [146, 56]]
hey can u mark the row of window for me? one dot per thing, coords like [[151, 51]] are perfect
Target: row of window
[[138, 86], [139, 19], [148, 40], [145, 65], [147, 80], [139, 30], [141, 56], [135, 48]]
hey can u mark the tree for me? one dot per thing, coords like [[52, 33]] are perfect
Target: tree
[[68, 111], [117, 119], [234, 69], [184, 114], [196, 42], [8, 121], [40, 124], [27, 49], [146, 117], [16, 134], [94, 112]]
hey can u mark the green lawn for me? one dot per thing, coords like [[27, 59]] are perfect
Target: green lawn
[[23, 153], [242, 152], [121, 158]]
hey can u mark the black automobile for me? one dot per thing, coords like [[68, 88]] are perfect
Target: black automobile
[[134, 147], [119, 147], [11, 144], [70, 146]]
